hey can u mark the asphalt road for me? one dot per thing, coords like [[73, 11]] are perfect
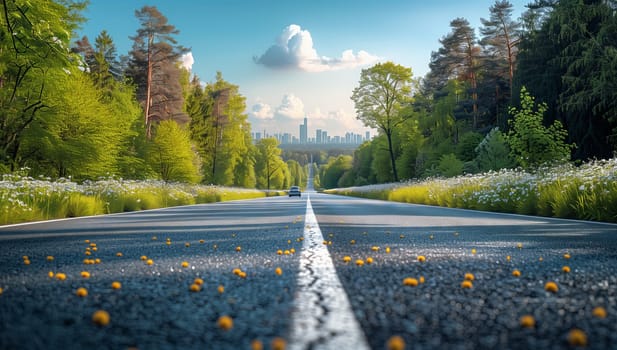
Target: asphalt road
[[154, 308]]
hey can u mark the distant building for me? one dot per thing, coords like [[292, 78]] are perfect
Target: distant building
[[304, 131], [368, 136], [318, 136]]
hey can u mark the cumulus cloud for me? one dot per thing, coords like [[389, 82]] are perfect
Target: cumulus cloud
[[187, 60], [291, 107], [294, 49], [261, 110], [335, 121]]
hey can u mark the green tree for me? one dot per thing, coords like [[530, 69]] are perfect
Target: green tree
[[449, 165], [458, 58], [298, 173], [465, 149], [333, 174], [221, 131], [531, 143], [362, 160], [500, 38], [170, 153], [34, 38], [381, 101], [154, 68], [568, 58], [78, 134], [270, 168], [493, 152]]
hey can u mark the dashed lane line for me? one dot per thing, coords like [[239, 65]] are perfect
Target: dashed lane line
[[322, 317]]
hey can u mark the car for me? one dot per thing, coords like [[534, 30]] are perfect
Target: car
[[294, 191]]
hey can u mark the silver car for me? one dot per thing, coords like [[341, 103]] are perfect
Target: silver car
[[294, 191]]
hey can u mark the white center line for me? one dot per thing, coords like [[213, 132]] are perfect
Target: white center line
[[322, 317]]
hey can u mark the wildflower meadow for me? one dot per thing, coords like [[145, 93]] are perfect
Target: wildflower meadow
[[24, 199], [586, 192]]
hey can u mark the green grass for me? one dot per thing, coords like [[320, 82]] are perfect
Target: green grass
[[24, 199], [588, 192]]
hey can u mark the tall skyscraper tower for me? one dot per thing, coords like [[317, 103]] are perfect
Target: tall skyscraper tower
[[304, 131]]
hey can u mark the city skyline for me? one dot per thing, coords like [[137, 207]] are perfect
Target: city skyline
[[321, 136]]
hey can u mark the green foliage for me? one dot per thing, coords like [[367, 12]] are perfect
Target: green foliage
[[77, 135], [568, 58], [467, 144], [493, 153], [381, 100], [531, 143], [333, 174], [270, 169], [33, 42], [298, 174], [170, 153], [221, 133], [450, 166], [153, 67]]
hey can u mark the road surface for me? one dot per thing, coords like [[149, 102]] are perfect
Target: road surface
[[316, 299]]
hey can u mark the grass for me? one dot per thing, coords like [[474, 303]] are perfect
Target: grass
[[587, 192], [24, 199]]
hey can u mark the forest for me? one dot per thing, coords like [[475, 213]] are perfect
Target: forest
[[523, 93]]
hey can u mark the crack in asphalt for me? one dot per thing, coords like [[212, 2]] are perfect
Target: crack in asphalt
[[322, 317]]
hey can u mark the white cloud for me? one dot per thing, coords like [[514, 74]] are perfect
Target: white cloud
[[187, 60], [261, 110], [338, 121], [294, 49], [291, 107]]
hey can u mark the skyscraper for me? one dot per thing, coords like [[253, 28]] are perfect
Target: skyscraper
[[304, 131]]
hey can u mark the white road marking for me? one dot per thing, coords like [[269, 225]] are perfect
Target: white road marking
[[322, 317]]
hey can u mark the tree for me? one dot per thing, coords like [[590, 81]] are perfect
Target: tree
[[493, 153], [501, 35], [220, 130], [297, 172], [333, 174], [78, 134], [269, 166], [34, 41], [381, 100], [170, 153], [568, 58], [449, 165], [154, 68], [531, 143], [458, 58]]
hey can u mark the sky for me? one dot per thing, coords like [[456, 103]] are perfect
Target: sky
[[300, 58]]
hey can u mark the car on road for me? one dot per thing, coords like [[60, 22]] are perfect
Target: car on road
[[294, 191]]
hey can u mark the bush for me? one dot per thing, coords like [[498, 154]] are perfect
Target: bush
[[530, 141], [450, 166]]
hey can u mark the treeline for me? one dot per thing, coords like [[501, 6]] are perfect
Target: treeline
[[542, 88], [76, 108]]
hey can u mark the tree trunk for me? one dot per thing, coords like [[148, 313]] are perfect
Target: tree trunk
[[392, 159], [148, 87]]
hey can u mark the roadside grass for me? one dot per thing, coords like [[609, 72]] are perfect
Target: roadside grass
[[25, 199], [587, 192]]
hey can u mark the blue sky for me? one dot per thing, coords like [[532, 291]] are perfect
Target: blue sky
[[313, 73]]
